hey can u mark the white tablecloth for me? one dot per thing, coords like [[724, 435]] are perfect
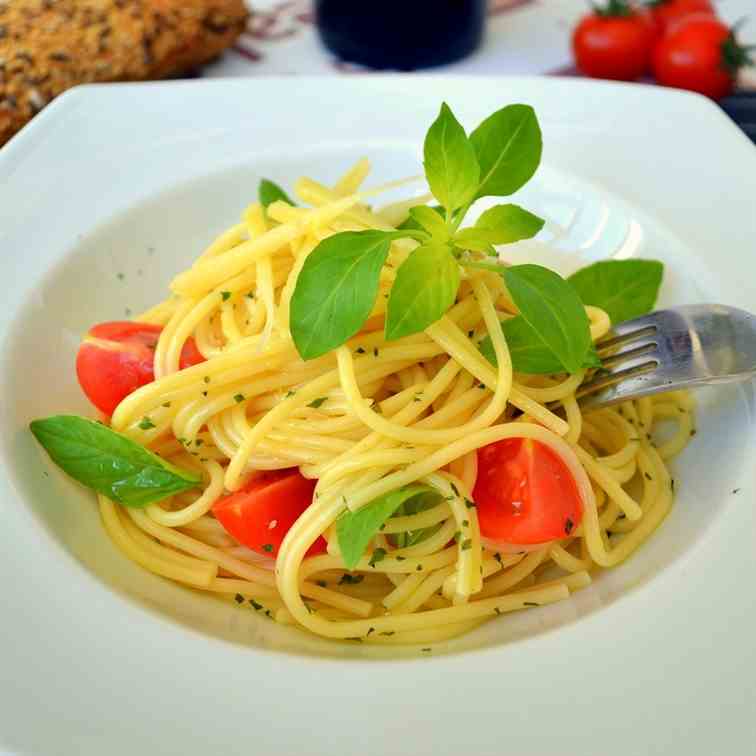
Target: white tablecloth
[[523, 37]]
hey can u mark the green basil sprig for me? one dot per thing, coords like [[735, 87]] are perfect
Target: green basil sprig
[[336, 290], [108, 462], [508, 146], [425, 288], [412, 224], [554, 312], [625, 289], [451, 166], [355, 530], [338, 285], [269, 192], [413, 506]]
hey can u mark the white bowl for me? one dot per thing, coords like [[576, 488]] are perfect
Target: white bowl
[[115, 189]]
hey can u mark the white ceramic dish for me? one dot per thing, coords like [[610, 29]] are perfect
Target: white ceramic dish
[[98, 657]]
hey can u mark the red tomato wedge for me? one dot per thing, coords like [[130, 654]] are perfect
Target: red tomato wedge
[[261, 514], [525, 493], [117, 358]]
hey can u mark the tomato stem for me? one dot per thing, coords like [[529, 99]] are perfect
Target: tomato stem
[[734, 55], [613, 9]]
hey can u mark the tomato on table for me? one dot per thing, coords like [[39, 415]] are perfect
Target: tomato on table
[[701, 54], [525, 494], [116, 358], [262, 513], [667, 13], [614, 41]]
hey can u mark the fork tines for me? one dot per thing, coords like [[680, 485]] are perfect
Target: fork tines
[[637, 360]]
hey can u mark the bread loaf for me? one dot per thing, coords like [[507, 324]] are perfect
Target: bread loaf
[[48, 46]]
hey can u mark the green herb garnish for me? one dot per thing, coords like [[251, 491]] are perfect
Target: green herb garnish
[[336, 289], [238, 398], [339, 283], [378, 555], [355, 529], [315, 403], [625, 289], [108, 462], [496, 160], [411, 507], [451, 165], [347, 579], [269, 192], [502, 224], [425, 288], [413, 222], [146, 423]]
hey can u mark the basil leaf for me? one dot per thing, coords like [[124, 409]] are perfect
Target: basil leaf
[[356, 529], [508, 223], [430, 220], [552, 308], [508, 146], [413, 506], [625, 289], [108, 462], [502, 224], [425, 288], [269, 192], [479, 240], [528, 352], [336, 289], [412, 225], [450, 164]]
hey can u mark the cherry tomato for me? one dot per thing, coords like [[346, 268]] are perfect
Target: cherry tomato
[[667, 13], [700, 54], [261, 514], [614, 42], [117, 358], [525, 493]]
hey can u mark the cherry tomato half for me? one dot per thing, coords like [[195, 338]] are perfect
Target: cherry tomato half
[[700, 54], [525, 493], [117, 358], [667, 13], [614, 42], [261, 514]]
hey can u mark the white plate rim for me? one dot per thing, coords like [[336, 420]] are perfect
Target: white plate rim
[[472, 673]]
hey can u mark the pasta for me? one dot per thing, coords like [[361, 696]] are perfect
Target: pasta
[[366, 419]]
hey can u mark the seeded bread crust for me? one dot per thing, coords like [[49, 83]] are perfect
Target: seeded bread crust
[[48, 46]]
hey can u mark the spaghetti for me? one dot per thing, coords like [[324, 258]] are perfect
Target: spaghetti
[[363, 420]]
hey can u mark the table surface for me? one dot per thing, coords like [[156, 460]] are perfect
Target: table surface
[[523, 37]]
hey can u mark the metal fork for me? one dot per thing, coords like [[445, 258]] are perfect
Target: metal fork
[[683, 347]]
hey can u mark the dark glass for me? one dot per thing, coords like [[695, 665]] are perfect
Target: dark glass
[[404, 36]]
